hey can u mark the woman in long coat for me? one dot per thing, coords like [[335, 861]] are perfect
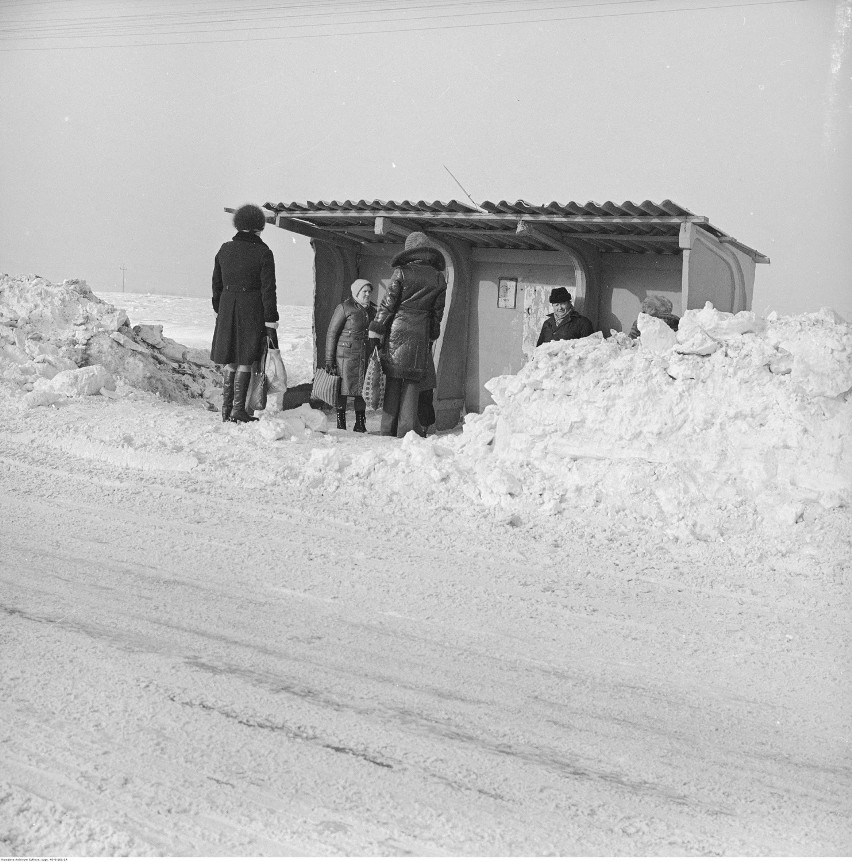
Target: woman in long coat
[[347, 350], [409, 321], [244, 299]]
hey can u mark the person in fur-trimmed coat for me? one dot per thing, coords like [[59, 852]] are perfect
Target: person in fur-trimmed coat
[[408, 322], [244, 299], [347, 350]]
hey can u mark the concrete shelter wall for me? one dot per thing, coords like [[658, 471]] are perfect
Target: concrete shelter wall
[[334, 271], [495, 335], [626, 279], [718, 273]]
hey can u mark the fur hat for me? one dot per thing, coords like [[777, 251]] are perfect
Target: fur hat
[[419, 247], [559, 294], [416, 239], [249, 217]]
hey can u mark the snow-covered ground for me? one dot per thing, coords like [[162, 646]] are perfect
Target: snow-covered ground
[[608, 617]]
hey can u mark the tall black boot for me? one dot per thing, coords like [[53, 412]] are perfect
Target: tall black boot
[[360, 421], [341, 419], [241, 385], [227, 394]]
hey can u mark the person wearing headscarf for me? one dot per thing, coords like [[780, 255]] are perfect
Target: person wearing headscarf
[[656, 306], [347, 351], [245, 302], [565, 322], [408, 322]]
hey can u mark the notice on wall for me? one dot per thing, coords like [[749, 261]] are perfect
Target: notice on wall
[[536, 309]]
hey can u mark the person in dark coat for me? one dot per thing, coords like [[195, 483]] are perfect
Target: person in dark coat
[[245, 303], [656, 306], [408, 322], [565, 323], [347, 350]]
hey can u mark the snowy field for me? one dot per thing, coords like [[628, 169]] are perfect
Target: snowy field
[[608, 617]]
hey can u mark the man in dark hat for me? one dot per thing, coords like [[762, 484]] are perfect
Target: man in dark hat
[[565, 322]]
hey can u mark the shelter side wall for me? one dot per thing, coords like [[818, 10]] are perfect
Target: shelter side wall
[[748, 267], [718, 273], [334, 271], [627, 279], [495, 335], [376, 267], [451, 350]]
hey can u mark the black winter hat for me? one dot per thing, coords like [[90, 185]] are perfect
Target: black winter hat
[[249, 217], [559, 294]]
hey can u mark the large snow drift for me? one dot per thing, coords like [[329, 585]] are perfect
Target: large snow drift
[[731, 409], [732, 423], [50, 332]]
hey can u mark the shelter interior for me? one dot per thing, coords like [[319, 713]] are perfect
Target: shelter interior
[[502, 261]]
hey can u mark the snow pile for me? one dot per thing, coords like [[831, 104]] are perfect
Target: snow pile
[[61, 341], [291, 424], [736, 415], [731, 423]]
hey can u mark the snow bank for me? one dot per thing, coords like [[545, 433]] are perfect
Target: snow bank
[[61, 341], [737, 410], [730, 423]]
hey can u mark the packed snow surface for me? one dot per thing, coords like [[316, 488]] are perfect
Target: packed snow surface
[[609, 615]]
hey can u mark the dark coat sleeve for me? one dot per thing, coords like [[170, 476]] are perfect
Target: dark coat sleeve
[[585, 327], [335, 327], [217, 284], [437, 313], [388, 305], [267, 287], [544, 335]]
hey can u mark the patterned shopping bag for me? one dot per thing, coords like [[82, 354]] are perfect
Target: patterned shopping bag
[[373, 390]]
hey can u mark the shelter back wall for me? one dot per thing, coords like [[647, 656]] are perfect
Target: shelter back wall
[[495, 335], [626, 279]]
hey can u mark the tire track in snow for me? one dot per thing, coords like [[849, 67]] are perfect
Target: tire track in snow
[[455, 701]]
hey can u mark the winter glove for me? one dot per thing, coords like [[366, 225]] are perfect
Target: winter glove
[[331, 368], [373, 344], [272, 335]]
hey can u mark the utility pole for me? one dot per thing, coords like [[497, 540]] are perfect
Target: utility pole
[[123, 269]]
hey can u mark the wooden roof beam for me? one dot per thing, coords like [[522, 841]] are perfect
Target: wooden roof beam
[[309, 230], [543, 234], [556, 240], [756, 256], [385, 226]]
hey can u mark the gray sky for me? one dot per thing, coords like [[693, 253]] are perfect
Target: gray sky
[[118, 149]]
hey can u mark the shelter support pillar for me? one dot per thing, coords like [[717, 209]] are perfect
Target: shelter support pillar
[[451, 349], [687, 231], [587, 257]]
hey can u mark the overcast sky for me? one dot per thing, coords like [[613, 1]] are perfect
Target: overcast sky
[[119, 150]]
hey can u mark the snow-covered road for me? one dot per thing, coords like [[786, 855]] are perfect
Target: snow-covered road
[[198, 665]]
